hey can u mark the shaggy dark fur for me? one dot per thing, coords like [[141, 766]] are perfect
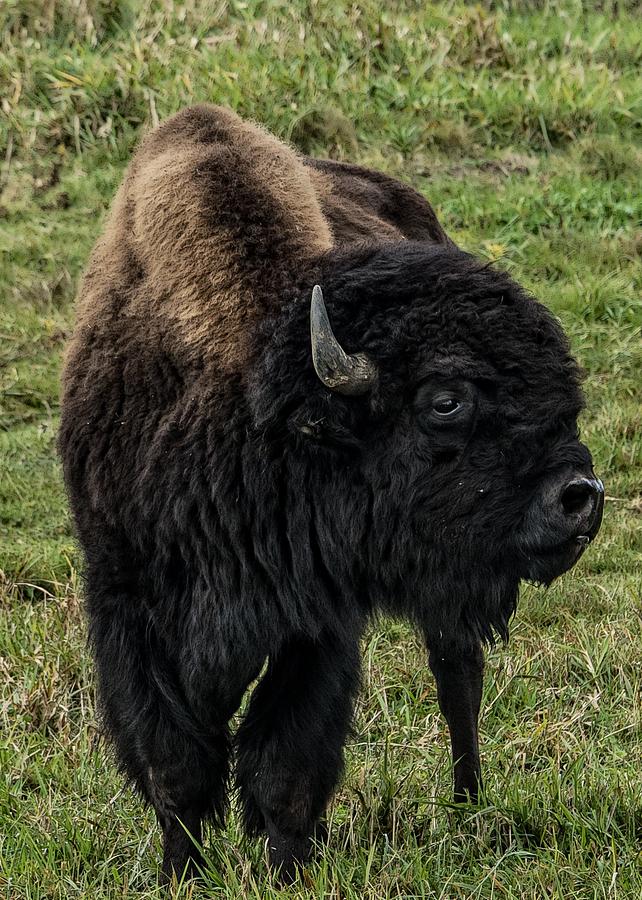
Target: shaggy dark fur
[[234, 511]]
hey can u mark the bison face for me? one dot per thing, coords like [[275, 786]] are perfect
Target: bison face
[[536, 490], [427, 447], [460, 391]]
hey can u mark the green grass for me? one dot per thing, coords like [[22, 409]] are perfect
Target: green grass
[[522, 123]]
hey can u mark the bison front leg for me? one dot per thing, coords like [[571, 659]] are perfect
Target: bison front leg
[[459, 677], [290, 744], [175, 751]]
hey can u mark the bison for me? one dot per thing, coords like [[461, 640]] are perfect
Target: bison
[[290, 403]]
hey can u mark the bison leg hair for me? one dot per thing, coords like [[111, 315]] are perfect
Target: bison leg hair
[[185, 790], [459, 677], [178, 761], [290, 745]]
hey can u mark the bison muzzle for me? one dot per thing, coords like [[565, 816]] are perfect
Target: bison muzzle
[[291, 403]]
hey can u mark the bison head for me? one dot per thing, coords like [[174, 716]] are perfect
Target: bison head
[[437, 419]]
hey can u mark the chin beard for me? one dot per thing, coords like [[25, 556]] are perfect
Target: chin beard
[[544, 564], [465, 607]]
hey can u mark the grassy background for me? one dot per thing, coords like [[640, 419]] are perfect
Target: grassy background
[[521, 122]]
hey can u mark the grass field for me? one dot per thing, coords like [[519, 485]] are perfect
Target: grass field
[[522, 123]]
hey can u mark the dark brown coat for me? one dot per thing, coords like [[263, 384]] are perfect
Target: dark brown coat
[[241, 500]]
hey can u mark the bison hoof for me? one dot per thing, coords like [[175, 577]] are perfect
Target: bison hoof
[[180, 870], [287, 854]]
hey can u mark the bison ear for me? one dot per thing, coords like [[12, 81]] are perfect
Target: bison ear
[[347, 374]]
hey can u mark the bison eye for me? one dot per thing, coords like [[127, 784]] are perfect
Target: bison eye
[[445, 406]]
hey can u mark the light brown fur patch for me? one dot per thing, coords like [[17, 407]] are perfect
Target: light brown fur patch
[[210, 209], [215, 220]]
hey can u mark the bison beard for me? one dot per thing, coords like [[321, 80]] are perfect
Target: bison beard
[[247, 493]]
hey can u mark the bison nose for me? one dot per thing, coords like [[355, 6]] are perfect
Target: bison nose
[[582, 500]]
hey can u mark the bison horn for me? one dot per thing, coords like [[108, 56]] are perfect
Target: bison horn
[[348, 374]]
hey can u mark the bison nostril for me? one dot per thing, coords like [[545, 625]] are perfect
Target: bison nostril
[[579, 496]]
